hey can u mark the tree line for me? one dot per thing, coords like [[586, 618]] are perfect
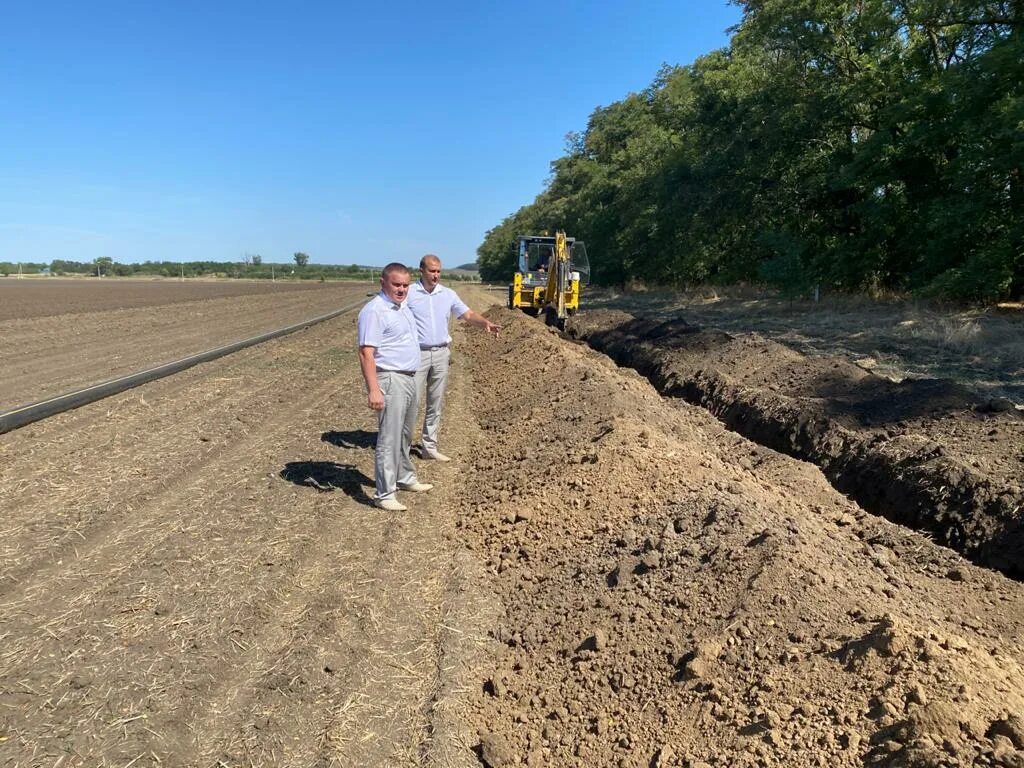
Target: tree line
[[251, 267], [859, 145]]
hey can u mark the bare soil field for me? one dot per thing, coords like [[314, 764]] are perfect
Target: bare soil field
[[191, 575], [59, 335], [39, 297]]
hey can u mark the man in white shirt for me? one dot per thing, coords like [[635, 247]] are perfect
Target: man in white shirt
[[432, 304], [389, 356]]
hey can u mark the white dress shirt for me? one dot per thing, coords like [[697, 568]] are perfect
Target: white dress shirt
[[391, 330], [431, 309]]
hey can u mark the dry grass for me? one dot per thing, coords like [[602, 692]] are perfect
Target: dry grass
[[981, 349]]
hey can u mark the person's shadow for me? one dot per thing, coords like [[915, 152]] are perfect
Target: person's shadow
[[327, 476], [353, 438]]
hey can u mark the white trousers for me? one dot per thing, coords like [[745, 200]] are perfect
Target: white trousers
[[431, 380], [392, 464]]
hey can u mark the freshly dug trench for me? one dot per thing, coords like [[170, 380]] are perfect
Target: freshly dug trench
[[675, 595], [924, 453]]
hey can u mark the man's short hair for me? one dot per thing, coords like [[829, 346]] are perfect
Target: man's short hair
[[429, 257], [394, 266]]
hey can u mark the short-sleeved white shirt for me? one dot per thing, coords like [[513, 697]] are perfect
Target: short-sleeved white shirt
[[431, 310], [391, 330]]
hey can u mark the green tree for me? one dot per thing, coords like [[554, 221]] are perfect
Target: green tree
[[856, 144], [301, 259]]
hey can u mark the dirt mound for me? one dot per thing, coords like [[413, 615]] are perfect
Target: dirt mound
[[923, 452], [675, 595]]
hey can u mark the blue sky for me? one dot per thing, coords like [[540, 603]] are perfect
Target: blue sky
[[358, 133]]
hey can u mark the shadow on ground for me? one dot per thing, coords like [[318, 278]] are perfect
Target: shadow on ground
[[352, 438], [326, 476]]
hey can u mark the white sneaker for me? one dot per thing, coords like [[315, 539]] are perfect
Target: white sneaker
[[435, 455], [415, 487], [390, 505]]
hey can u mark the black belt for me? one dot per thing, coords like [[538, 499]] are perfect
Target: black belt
[[404, 373], [431, 349]]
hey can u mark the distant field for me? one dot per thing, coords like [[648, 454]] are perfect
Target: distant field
[[43, 297], [59, 335]]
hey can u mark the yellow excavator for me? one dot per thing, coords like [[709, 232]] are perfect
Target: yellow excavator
[[551, 272]]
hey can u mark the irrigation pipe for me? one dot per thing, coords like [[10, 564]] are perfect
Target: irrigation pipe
[[26, 414]]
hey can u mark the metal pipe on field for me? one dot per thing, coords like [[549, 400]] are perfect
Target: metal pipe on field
[[26, 414]]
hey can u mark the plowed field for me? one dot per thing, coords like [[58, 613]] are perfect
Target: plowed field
[[62, 334], [603, 576], [191, 576]]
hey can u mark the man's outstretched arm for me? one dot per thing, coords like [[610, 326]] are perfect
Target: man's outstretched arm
[[475, 318]]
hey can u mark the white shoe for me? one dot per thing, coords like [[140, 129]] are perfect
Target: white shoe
[[415, 487], [390, 505], [436, 455]]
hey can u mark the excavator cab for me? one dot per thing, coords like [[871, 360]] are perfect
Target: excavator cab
[[535, 256], [550, 272]]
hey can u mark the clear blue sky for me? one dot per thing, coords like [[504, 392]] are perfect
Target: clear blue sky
[[356, 132]]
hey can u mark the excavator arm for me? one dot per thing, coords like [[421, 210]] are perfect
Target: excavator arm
[[558, 276], [551, 271]]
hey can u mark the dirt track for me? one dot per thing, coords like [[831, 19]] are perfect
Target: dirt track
[[191, 575]]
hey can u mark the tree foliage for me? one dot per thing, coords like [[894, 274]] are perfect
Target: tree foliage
[[855, 144]]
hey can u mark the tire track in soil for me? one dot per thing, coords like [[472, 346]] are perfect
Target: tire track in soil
[[386, 720], [368, 709], [116, 704]]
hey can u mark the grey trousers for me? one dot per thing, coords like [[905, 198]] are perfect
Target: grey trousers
[[431, 380], [392, 464]]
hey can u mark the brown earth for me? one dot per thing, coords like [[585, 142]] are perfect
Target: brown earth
[[676, 595], [39, 297], [981, 349], [925, 452], [73, 333], [190, 574]]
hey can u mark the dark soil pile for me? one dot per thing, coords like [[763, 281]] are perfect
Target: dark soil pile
[[923, 452], [675, 595]]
